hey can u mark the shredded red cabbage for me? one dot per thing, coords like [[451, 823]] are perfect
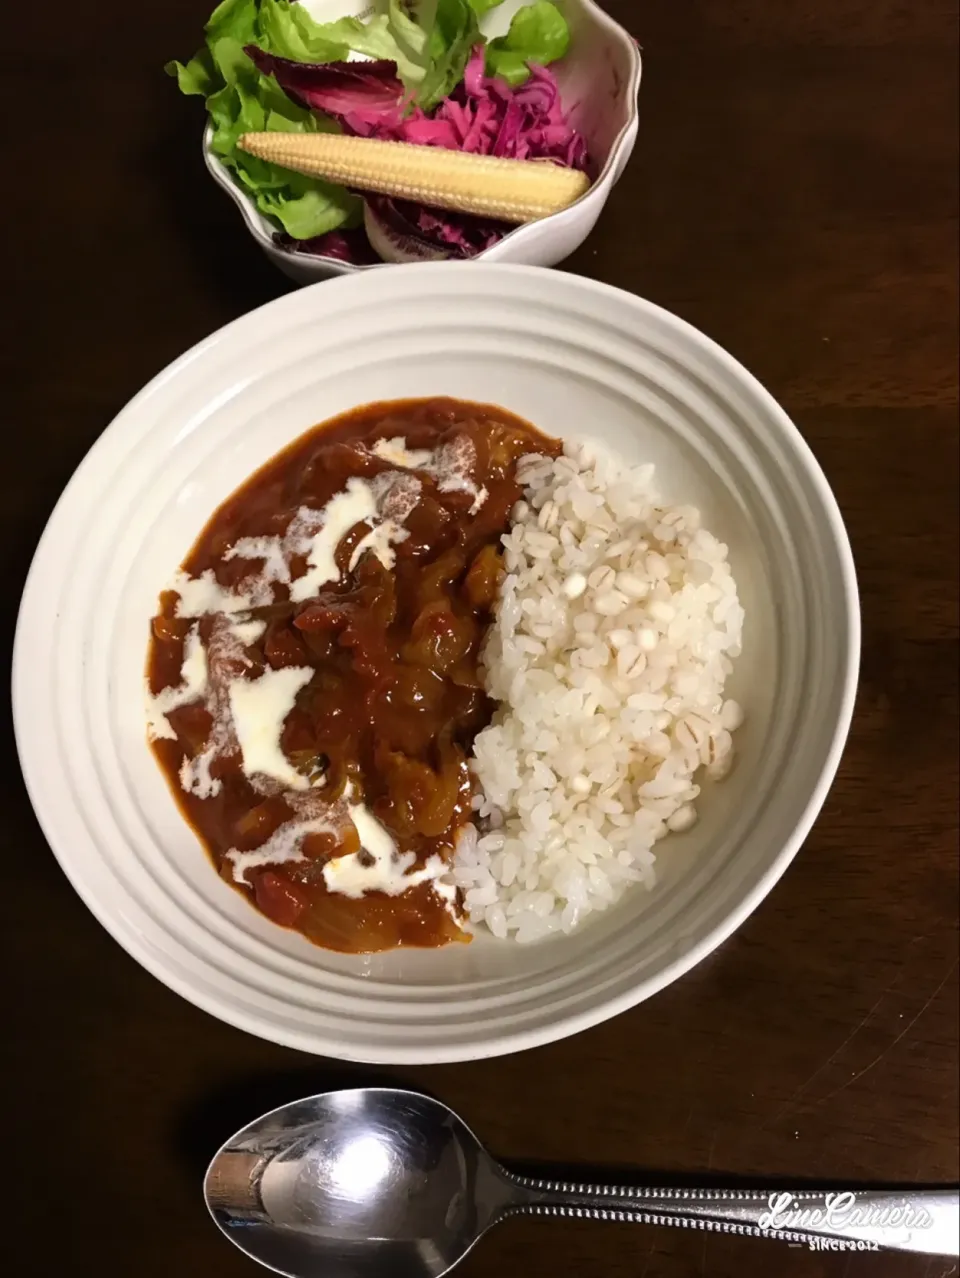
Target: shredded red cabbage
[[487, 116], [483, 115], [459, 234], [344, 246]]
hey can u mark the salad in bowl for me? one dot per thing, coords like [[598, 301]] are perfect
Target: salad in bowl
[[537, 81]]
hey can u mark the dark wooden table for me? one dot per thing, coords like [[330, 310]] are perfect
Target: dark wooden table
[[793, 193]]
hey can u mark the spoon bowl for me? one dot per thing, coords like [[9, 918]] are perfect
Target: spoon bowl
[[357, 1183]]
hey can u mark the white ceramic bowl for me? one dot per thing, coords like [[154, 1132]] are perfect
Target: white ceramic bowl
[[599, 80], [573, 356]]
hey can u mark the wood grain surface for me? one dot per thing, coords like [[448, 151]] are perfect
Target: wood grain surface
[[794, 193]]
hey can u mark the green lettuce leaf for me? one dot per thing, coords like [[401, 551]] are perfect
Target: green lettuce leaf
[[196, 77], [480, 7], [538, 33], [431, 43], [451, 38], [236, 18], [409, 23], [374, 38], [240, 100], [289, 31]]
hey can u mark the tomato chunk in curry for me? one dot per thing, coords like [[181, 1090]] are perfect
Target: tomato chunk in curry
[[313, 670]]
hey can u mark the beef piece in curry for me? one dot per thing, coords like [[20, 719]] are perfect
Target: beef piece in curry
[[314, 669]]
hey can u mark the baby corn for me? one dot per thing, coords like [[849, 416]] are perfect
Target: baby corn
[[508, 190]]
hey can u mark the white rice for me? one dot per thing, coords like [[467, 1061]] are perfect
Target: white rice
[[616, 628]]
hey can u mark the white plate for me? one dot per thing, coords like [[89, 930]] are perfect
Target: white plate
[[573, 357]]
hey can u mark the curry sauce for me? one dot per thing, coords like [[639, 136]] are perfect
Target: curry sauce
[[362, 562]]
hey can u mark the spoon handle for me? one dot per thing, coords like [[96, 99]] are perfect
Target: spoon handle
[[918, 1220]]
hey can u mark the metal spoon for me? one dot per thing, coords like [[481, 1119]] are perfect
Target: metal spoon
[[385, 1183]]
